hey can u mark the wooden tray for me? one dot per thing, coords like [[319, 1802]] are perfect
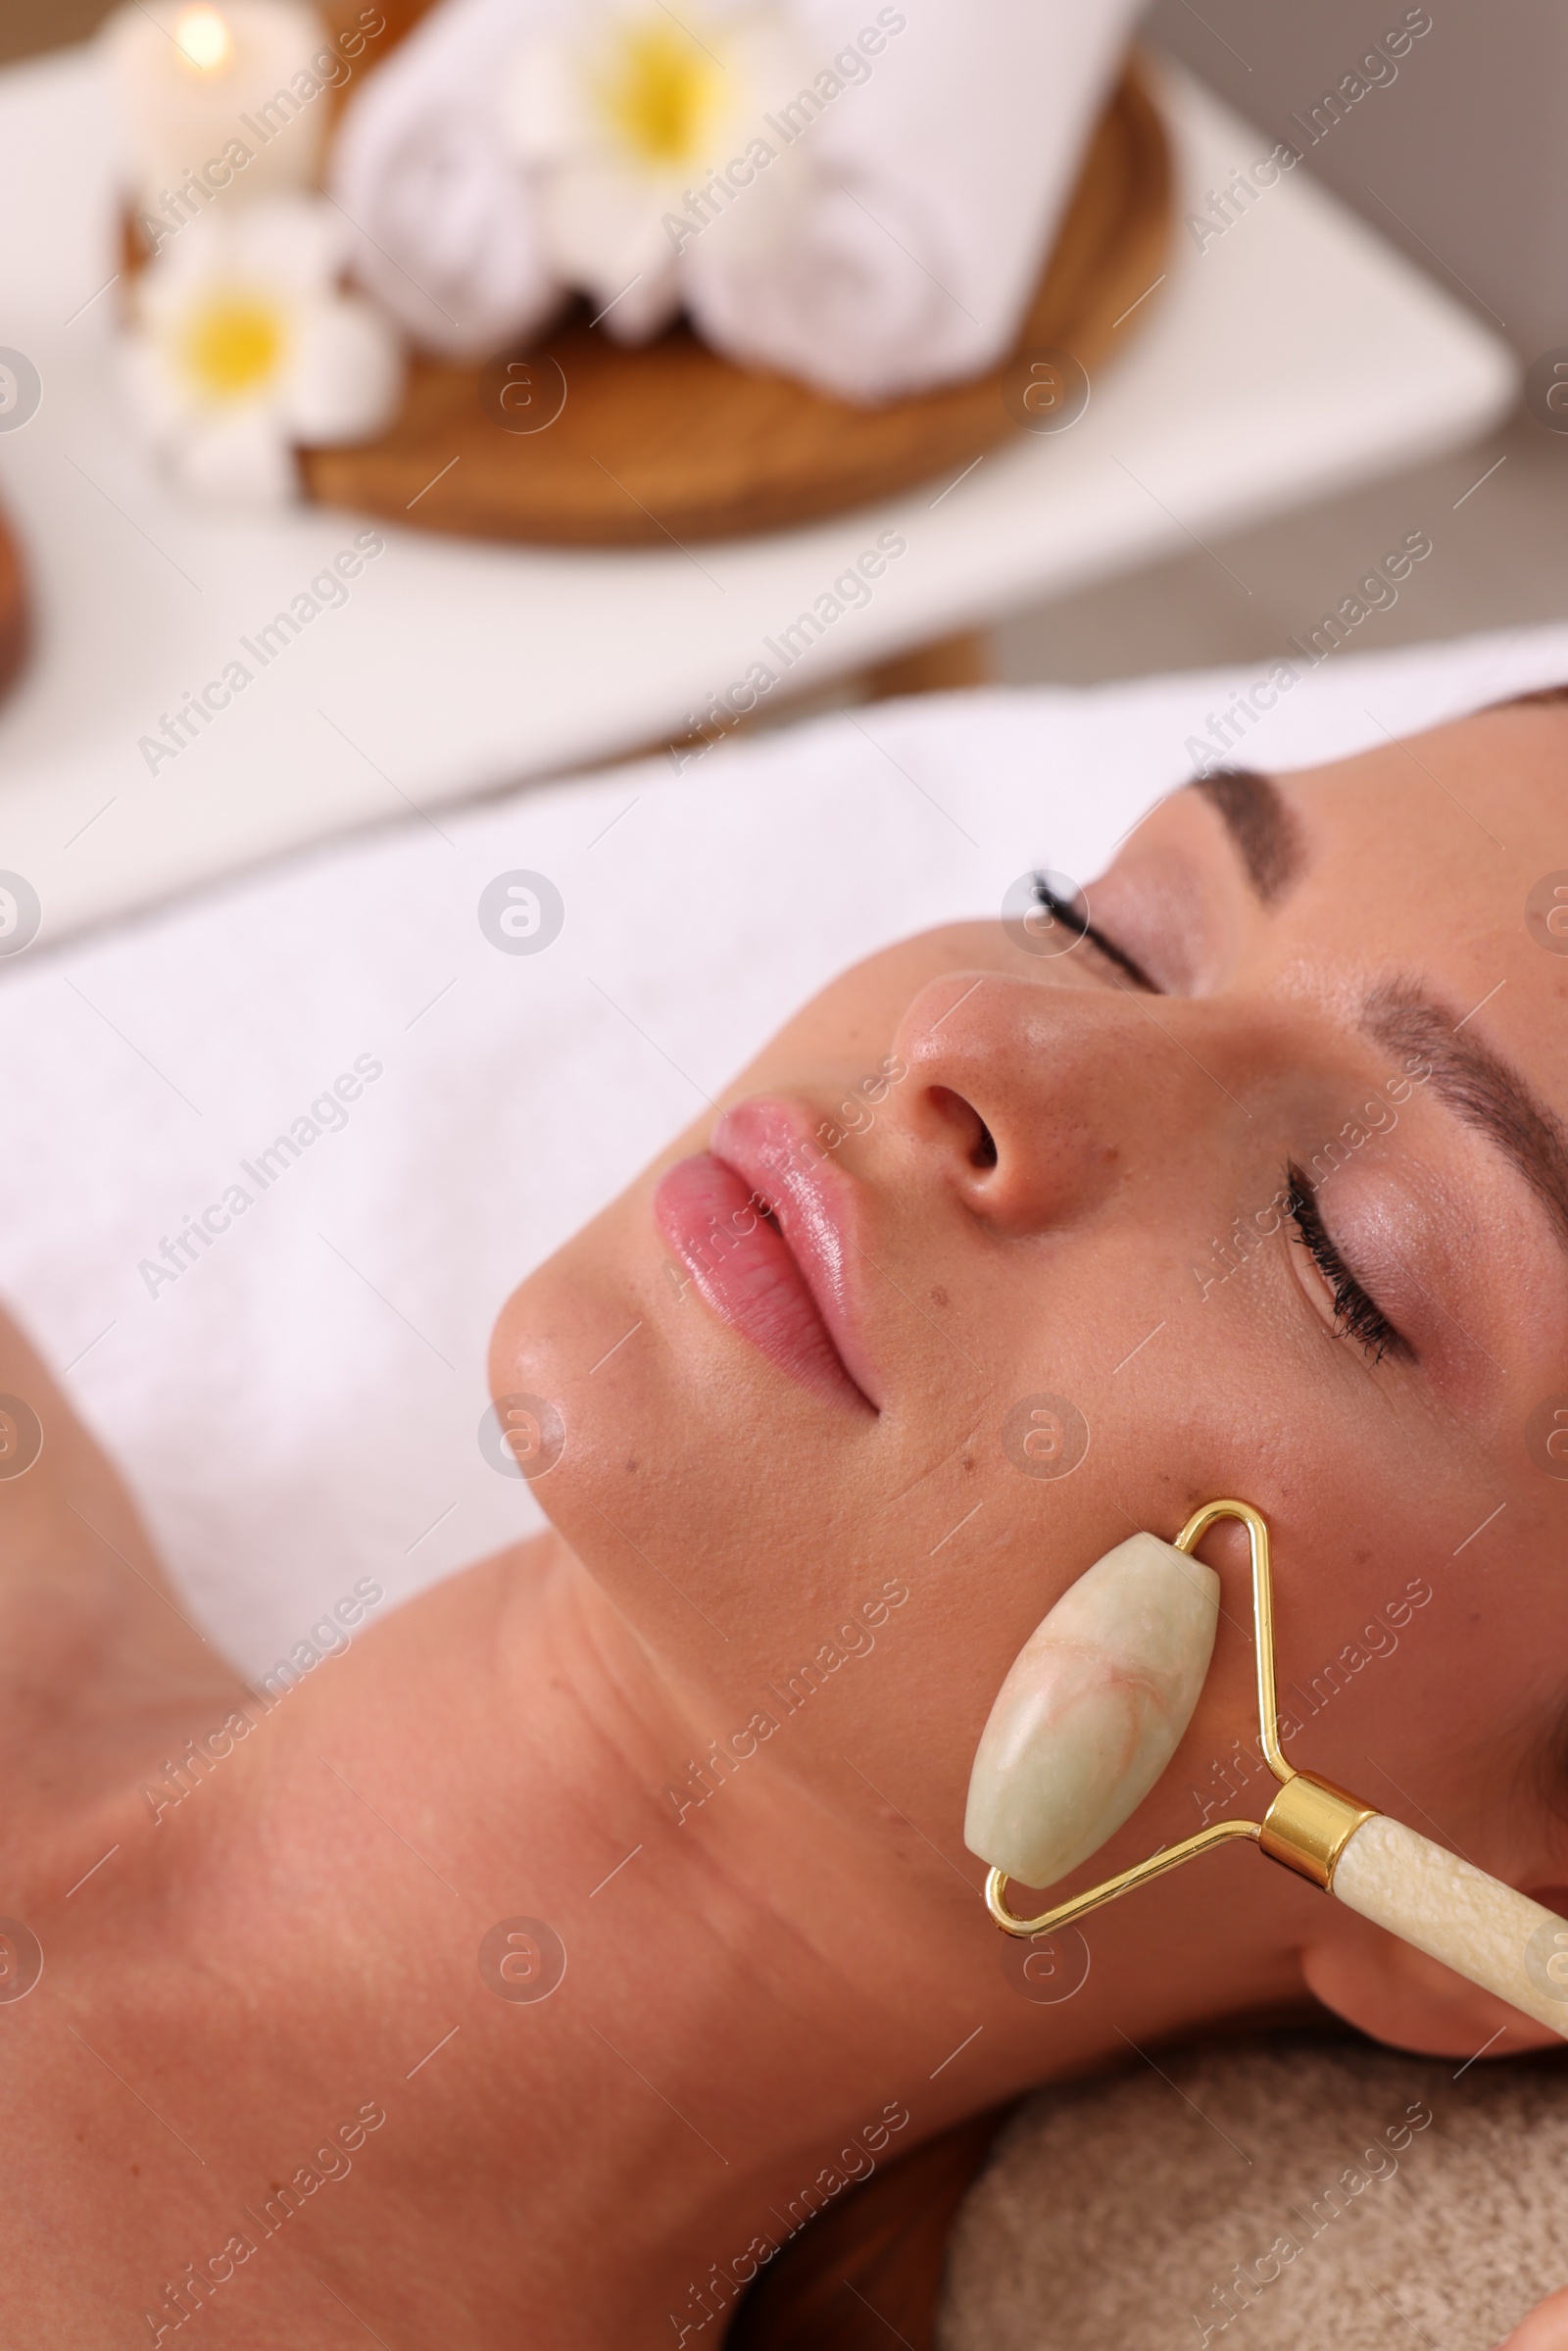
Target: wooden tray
[[14, 629], [673, 442]]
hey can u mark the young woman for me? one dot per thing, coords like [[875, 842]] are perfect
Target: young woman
[[536, 1971]]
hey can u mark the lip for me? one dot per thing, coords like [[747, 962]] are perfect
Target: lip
[[787, 1291]]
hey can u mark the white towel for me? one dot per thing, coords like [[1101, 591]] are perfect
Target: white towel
[[922, 200], [300, 1406], [447, 223], [890, 181]]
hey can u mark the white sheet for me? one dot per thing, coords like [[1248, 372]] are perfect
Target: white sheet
[[300, 1407]]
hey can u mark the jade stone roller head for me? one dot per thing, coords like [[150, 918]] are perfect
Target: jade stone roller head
[[1091, 1712]]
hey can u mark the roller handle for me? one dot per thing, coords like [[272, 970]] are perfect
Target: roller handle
[[1474, 1924]]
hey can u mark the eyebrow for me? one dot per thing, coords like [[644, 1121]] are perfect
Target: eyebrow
[[1263, 831], [1482, 1089]]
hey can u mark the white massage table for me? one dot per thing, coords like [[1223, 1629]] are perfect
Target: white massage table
[[1293, 356]]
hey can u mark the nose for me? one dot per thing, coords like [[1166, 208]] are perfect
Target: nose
[[1042, 1102]]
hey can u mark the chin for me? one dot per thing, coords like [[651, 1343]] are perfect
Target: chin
[[690, 1471]]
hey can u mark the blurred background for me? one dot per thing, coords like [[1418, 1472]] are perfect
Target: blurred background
[[1460, 163]]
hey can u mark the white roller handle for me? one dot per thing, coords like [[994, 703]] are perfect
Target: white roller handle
[[1474, 1924]]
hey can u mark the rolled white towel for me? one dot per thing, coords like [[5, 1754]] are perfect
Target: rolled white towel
[[909, 216], [447, 223], [856, 194]]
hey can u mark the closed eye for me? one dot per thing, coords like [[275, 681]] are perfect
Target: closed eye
[[1356, 1315], [1072, 914]]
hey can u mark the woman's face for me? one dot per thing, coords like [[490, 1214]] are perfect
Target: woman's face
[[1259, 1189]]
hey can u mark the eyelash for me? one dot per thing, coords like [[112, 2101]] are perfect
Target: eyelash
[[1066, 911], [1356, 1315]]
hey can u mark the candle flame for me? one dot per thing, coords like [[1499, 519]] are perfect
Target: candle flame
[[204, 40]]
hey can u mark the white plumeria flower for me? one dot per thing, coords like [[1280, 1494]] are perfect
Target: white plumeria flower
[[619, 113], [244, 347]]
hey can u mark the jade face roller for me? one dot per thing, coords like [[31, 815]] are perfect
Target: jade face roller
[[1093, 1711]]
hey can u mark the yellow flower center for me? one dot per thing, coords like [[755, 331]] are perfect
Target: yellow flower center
[[659, 94], [232, 344]]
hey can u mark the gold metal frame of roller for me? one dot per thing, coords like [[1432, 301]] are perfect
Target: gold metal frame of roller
[[1306, 1827]]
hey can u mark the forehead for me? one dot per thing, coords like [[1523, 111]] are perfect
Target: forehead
[[1478, 804]]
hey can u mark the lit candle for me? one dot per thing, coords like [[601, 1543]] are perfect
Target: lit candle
[[215, 97], [204, 40]]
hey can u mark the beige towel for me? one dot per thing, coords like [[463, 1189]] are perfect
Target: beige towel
[[1282, 2195]]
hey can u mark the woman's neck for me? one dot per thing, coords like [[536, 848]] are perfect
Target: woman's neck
[[760, 2001]]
